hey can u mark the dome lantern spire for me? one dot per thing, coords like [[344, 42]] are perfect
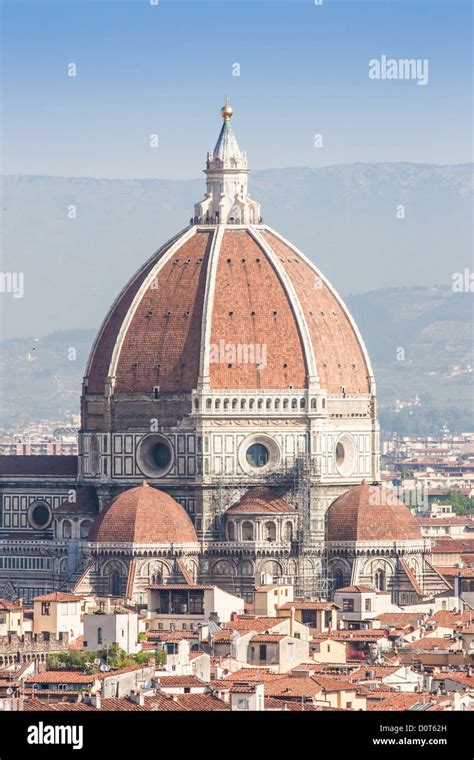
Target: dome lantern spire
[[226, 110], [227, 200]]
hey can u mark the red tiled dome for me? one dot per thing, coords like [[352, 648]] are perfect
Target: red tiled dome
[[260, 501], [143, 515], [241, 286], [370, 513]]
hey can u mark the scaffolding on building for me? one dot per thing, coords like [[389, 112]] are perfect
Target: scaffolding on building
[[294, 480]]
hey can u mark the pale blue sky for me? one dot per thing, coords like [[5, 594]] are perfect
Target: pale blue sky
[[164, 69]]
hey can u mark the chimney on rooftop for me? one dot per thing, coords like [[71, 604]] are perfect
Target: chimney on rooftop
[[137, 697], [95, 700]]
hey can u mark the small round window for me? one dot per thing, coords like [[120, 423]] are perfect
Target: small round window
[[340, 454], [257, 455], [161, 455], [40, 515], [345, 455], [155, 456]]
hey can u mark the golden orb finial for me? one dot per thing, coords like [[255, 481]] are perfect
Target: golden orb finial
[[226, 110]]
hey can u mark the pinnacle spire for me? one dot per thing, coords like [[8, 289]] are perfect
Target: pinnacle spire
[[227, 200]]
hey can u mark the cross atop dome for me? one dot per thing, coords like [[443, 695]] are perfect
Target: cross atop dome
[[227, 200]]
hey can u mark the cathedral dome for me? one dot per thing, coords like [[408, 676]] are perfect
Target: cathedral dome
[[370, 513], [217, 291], [260, 501], [228, 303], [143, 515]]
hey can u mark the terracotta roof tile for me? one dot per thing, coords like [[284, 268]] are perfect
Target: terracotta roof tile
[[170, 681], [86, 501], [370, 512], [160, 341], [244, 687], [201, 703], [8, 606], [428, 643], [303, 604], [62, 676], [447, 618], [145, 338], [399, 701], [58, 596], [268, 638], [452, 572], [339, 355], [143, 515], [259, 624], [260, 501], [252, 307]]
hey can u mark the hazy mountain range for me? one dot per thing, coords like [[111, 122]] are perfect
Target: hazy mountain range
[[395, 274], [343, 217]]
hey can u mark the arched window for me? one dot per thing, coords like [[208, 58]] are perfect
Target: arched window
[[260, 403], [270, 531], [234, 403], [223, 567], [302, 403], [286, 403], [294, 403], [208, 403], [252, 404], [217, 404], [338, 576], [269, 403], [288, 531], [247, 531], [277, 404], [115, 584], [85, 528], [380, 580], [313, 403], [226, 403], [231, 531], [67, 529], [243, 403], [100, 636]]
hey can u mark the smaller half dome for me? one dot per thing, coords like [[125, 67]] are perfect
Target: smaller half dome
[[260, 501], [143, 515], [370, 513]]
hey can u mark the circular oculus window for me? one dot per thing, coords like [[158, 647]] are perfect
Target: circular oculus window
[[40, 515], [258, 454], [345, 455], [155, 456]]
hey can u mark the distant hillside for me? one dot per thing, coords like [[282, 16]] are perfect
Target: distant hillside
[[433, 326], [420, 341], [343, 217]]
